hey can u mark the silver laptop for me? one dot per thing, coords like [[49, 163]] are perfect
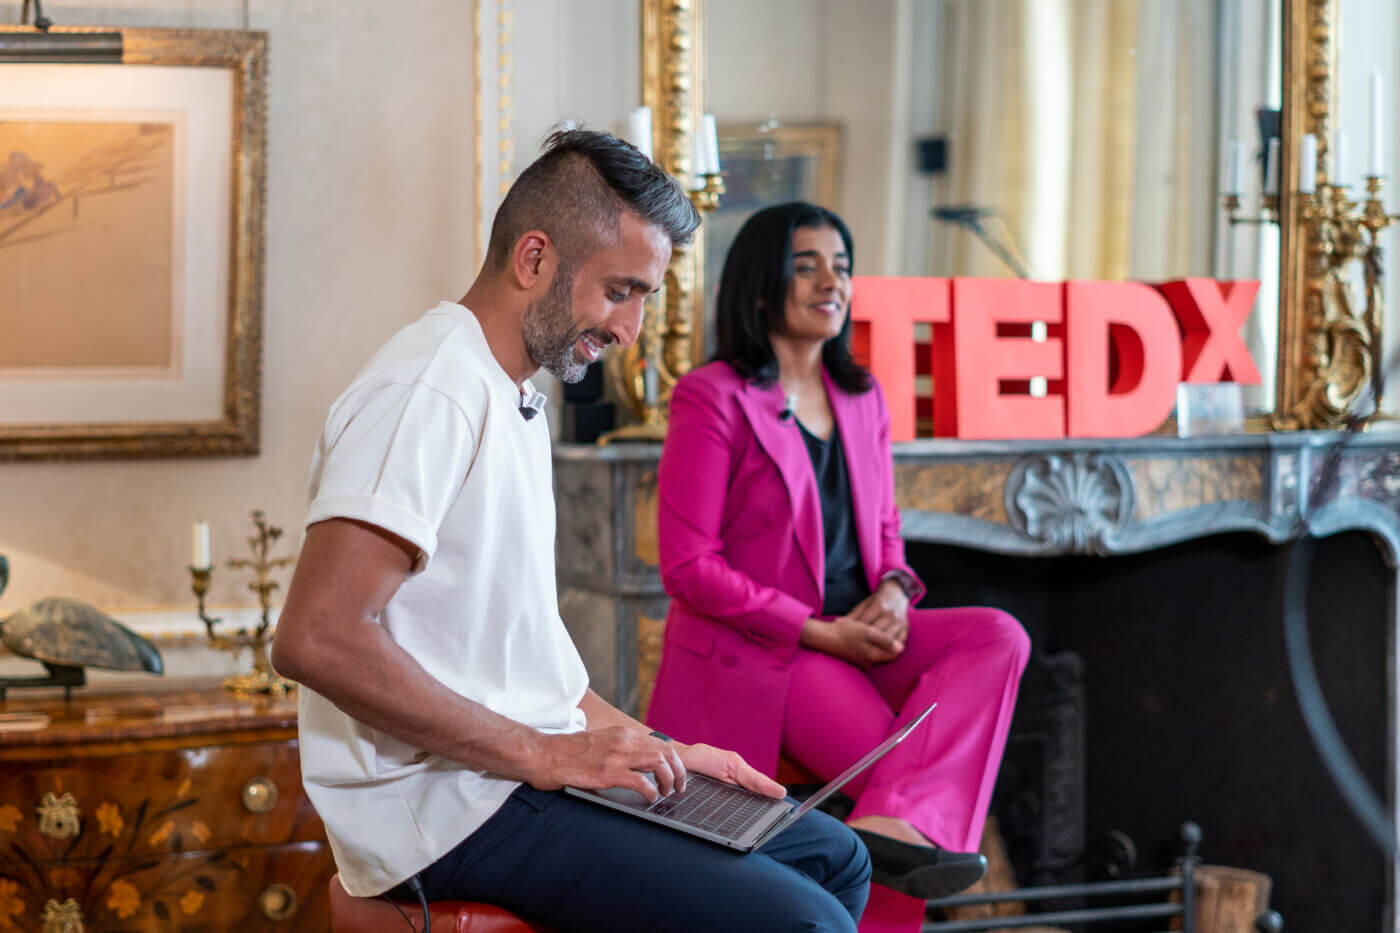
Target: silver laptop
[[726, 813]]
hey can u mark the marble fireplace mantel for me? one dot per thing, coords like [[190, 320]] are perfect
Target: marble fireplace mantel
[[1041, 498], [987, 511]]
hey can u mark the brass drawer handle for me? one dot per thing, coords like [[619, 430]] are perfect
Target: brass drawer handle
[[58, 816], [278, 902], [259, 795], [62, 918]]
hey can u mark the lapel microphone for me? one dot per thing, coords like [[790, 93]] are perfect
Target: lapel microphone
[[532, 406], [789, 408]]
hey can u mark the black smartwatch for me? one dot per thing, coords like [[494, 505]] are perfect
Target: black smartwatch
[[661, 735]]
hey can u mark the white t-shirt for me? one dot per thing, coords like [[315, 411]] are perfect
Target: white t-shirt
[[428, 443]]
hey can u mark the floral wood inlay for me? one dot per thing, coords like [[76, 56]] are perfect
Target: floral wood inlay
[[184, 788], [123, 898], [64, 878], [191, 902], [11, 905], [163, 833], [200, 831], [9, 818], [109, 819]]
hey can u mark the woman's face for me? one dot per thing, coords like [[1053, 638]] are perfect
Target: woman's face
[[820, 294]]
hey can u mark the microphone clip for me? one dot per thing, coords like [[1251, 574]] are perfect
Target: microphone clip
[[532, 406], [789, 411]]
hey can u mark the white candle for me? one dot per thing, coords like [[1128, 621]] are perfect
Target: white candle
[[1307, 165], [1235, 182], [639, 129], [202, 560], [649, 383], [709, 145], [697, 161], [1271, 168], [1375, 152], [1339, 159]]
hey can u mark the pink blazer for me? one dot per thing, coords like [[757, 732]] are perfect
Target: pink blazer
[[742, 554]]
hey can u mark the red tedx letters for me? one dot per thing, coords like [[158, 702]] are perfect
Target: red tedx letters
[[1113, 354]]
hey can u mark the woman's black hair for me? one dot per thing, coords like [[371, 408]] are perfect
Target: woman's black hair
[[753, 291]]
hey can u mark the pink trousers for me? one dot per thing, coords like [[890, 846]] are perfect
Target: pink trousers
[[940, 778]]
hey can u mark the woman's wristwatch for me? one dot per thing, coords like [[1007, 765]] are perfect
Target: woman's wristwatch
[[905, 581], [661, 735]]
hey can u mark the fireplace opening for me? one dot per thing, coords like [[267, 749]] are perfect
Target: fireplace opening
[[1173, 660]]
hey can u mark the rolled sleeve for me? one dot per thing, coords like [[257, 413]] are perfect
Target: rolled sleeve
[[397, 464]]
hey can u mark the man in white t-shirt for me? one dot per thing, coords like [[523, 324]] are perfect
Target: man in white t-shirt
[[443, 703]]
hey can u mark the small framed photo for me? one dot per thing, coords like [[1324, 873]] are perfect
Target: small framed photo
[[1209, 408]]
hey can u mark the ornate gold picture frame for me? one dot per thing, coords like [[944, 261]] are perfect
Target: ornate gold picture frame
[[131, 291], [768, 164], [1326, 357]]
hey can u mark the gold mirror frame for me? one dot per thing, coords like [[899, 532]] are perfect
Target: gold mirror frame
[[672, 78], [1321, 368], [1326, 357]]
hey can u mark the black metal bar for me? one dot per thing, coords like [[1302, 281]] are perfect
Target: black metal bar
[[1188, 894], [62, 48], [1055, 918], [1135, 886]]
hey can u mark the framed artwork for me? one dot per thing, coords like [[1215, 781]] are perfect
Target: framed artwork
[[766, 164], [131, 248]]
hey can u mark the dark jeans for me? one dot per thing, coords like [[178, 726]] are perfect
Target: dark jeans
[[580, 867]]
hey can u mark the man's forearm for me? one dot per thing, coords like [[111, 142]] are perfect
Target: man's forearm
[[602, 714], [365, 673]]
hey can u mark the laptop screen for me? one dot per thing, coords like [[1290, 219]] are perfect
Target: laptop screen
[[869, 759]]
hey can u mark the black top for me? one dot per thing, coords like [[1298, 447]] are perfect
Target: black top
[[845, 584]]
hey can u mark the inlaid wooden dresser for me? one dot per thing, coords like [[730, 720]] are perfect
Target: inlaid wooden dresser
[[178, 808]]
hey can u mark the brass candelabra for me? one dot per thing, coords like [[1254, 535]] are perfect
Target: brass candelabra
[[1345, 349], [645, 373], [1268, 210], [1343, 342], [262, 679]]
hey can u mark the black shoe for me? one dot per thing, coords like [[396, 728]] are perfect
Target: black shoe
[[925, 872]]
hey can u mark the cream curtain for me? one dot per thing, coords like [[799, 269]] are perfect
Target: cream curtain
[[1090, 127]]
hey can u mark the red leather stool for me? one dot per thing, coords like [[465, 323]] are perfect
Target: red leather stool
[[376, 915]]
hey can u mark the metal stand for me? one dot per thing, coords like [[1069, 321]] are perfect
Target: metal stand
[[1183, 882]]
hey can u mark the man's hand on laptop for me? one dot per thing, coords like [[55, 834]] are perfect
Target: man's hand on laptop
[[611, 757], [729, 766], [622, 757]]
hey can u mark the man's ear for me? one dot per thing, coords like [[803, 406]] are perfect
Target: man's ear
[[532, 259]]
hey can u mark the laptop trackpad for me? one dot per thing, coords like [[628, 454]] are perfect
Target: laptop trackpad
[[623, 795]]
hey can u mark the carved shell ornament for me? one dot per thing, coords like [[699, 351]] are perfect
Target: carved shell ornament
[[1072, 504]]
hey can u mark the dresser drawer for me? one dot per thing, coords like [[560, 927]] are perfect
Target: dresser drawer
[[278, 888], [155, 803]]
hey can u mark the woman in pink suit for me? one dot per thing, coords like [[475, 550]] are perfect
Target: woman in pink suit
[[790, 628]]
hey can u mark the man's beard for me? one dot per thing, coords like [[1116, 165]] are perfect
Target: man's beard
[[550, 334]]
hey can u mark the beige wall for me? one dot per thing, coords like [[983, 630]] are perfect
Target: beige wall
[[369, 222]]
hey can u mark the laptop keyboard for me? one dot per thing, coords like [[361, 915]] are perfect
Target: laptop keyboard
[[713, 806]]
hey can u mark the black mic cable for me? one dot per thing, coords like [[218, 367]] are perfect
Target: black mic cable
[[789, 408], [417, 887]]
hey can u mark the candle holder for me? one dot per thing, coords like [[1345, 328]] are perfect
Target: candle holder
[[1268, 210], [647, 371], [1345, 346], [262, 679]]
